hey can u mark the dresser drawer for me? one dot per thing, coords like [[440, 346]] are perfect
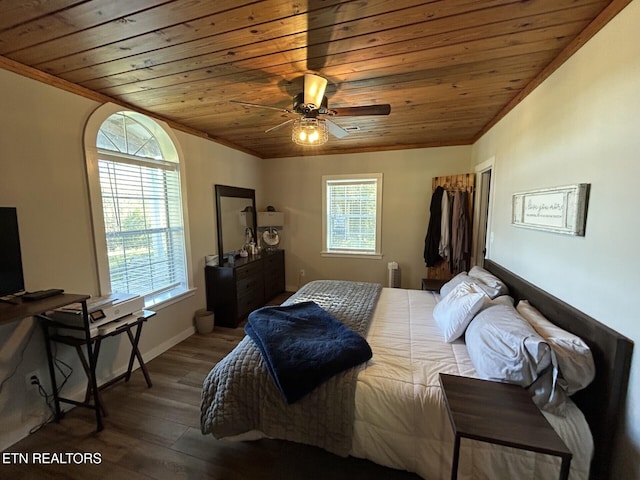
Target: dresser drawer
[[274, 261], [249, 270], [249, 302], [249, 284], [274, 274]]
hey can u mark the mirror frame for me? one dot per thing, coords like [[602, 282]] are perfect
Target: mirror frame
[[238, 192]]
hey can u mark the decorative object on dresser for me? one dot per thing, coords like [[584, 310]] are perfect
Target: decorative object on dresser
[[270, 223], [234, 290]]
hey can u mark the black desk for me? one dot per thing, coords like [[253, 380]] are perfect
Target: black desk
[[10, 312], [89, 362]]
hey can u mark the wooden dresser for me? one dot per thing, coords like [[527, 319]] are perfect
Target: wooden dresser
[[233, 291]]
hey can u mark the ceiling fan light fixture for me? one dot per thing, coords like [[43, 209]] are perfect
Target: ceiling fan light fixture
[[309, 132], [314, 87]]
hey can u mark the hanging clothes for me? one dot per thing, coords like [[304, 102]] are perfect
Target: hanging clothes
[[432, 239], [445, 224], [460, 235]]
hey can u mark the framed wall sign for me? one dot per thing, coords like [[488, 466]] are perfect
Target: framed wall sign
[[559, 210]]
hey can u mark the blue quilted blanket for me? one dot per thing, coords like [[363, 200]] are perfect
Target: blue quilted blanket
[[303, 345]]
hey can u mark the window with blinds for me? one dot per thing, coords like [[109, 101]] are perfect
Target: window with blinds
[[142, 209], [351, 217]]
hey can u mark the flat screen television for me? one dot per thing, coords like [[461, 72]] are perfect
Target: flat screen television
[[11, 277]]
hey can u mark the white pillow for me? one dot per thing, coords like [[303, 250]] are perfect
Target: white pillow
[[575, 361], [454, 282], [504, 347], [489, 279], [501, 300], [455, 310], [462, 277]]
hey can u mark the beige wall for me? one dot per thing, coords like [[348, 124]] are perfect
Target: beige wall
[[42, 173], [294, 185], [207, 164], [581, 125]]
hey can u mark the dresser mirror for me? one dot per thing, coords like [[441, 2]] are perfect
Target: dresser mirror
[[235, 213]]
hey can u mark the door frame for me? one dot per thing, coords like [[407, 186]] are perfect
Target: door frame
[[477, 256]]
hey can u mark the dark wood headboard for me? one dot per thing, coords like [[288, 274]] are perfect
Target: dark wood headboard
[[603, 401]]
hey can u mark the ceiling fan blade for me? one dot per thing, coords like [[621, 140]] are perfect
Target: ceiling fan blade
[[247, 104], [336, 130], [383, 109], [314, 87], [278, 126]]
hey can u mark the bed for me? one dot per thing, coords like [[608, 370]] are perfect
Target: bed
[[391, 411]]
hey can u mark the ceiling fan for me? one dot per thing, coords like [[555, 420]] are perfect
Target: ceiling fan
[[310, 106]]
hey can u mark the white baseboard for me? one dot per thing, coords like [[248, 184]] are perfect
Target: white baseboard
[[164, 346]]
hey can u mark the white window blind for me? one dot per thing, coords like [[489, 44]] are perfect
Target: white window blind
[[143, 227], [142, 211], [352, 214]]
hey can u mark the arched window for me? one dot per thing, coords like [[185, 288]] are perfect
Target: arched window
[[136, 199]]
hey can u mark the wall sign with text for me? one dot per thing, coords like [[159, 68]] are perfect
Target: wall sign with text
[[560, 209]]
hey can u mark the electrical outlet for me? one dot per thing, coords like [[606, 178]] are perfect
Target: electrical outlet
[[302, 272], [32, 379]]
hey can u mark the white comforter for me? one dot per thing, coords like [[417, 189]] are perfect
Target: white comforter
[[401, 420]]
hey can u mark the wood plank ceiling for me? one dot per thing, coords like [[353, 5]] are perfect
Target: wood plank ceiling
[[449, 69]]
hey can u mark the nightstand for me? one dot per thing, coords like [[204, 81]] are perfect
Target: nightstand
[[499, 413], [432, 284]]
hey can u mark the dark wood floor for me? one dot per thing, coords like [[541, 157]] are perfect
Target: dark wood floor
[[155, 432]]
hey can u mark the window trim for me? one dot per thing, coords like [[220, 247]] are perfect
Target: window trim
[[377, 254], [92, 156]]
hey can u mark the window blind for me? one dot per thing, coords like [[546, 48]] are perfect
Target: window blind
[[143, 224], [351, 215]]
